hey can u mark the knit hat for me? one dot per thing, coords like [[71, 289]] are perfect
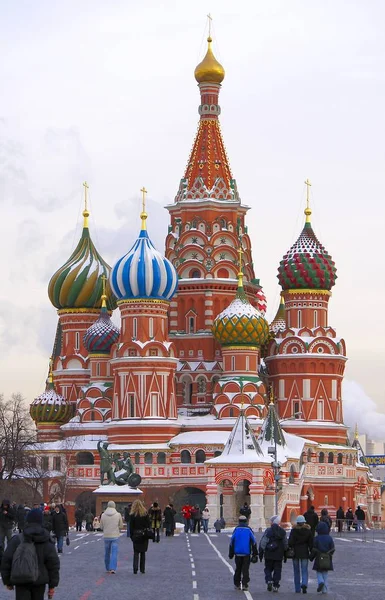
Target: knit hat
[[35, 516], [275, 520], [111, 504], [301, 519], [242, 518]]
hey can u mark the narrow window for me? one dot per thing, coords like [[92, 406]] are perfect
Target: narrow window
[[299, 319], [57, 463], [296, 409], [281, 389], [131, 402], [233, 363], [97, 369], [135, 327], [315, 318], [77, 341], [247, 363], [334, 389], [191, 326], [154, 404], [306, 389], [151, 327], [320, 410]]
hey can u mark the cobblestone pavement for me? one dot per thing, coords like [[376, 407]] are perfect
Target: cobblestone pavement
[[197, 567]]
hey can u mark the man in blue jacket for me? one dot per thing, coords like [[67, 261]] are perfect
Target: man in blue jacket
[[242, 545]]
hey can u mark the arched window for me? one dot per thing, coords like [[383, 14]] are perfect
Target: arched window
[[85, 458], [231, 412], [200, 456], [217, 453], [292, 474], [321, 457], [339, 458], [161, 458], [185, 457], [137, 458], [330, 457], [309, 455], [195, 274], [148, 458]]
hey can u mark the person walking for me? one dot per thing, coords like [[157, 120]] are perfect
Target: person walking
[[89, 519], [311, 519], [111, 523], [325, 518], [79, 515], [349, 518], [273, 546], [186, 514], [59, 527], [205, 519], [301, 541], [7, 518], [155, 514], [360, 514], [340, 517], [242, 546], [139, 524], [47, 519], [196, 515], [47, 560], [245, 510], [169, 520], [323, 549]]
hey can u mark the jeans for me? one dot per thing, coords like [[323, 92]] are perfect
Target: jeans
[[78, 525], [242, 565], [60, 540], [111, 553], [156, 534], [322, 577], [273, 571], [187, 525], [360, 525], [30, 592], [142, 561], [300, 566], [205, 525]]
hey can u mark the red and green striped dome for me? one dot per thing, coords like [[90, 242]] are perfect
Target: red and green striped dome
[[51, 407], [79, 282], [307, 265]]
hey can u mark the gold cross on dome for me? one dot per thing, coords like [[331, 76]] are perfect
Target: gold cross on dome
[[240, 253], [86, 187], [308, 186], [144, 192], [210, 19], [104, 280]]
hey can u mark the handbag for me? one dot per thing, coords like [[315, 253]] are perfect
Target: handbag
[[324, 561], [290, 553], [148, 534], [68, 540]]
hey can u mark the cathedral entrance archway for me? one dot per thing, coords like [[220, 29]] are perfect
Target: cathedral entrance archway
[[189, 495], [86, 500]]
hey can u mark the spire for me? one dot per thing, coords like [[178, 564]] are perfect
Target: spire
[[241, 439], [143, 214], [356, 432], [271, 430], [279, 322], [240, 272], [50, 385], [104, 296], [86, 213], [307, 210]]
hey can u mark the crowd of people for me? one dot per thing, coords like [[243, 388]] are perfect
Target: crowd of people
[[28, 537]]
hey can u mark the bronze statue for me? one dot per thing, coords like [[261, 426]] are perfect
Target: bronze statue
[[123, 473], [105, 463]]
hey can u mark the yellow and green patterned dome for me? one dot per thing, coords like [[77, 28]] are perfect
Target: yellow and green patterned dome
[[240, 324], [51, 407], [78, 284]]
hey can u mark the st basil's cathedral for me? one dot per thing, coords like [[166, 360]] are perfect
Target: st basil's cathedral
[[213, 404]]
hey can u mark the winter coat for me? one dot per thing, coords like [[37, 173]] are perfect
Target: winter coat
[[89, 517], [340, 514], [242, 542], [301, 540], [155, 515], [218, 525], [47, 557], [59, 524], [7, 515], [169, 518], [47, 520], [322, 543], [206, 514], [311, 519], [326, 519], [138, 523], [360, 514], [196, 514], [186, 511], [79, 514], [245, 511], [349, 515], [274, 536], [111, 523], [20, 516]]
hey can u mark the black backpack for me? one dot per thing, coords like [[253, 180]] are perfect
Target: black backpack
[[25, 565]]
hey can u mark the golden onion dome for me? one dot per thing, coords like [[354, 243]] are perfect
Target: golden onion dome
[[209, 70]]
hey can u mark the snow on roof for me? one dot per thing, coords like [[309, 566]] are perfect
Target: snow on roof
[[200, 437], [117, 490]]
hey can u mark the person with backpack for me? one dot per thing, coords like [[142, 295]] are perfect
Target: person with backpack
[[242, 546], [301, 541], [323, 549], [273, 546], [325, 518], [30, 562], [59, 527]]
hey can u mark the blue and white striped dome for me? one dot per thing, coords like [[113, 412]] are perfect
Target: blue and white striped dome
[[144, 273]]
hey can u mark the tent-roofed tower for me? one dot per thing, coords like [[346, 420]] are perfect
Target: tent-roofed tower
[[207, 225]]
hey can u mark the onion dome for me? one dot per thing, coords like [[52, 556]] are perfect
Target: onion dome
[[209, 70], [51, 407], [307, 265], [279, 322], [79, 282], [240, 324], [143, 272], [102, 334]]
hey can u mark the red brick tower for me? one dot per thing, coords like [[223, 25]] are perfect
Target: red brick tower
[[207, 226], [306, 359]]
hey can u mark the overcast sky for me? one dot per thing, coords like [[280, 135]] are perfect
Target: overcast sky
[[105, 92]]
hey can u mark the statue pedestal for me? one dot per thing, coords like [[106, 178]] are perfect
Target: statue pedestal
[[120, 494]]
